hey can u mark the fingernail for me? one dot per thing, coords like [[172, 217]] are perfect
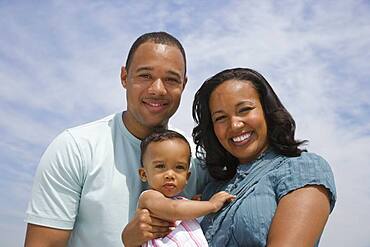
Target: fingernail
[[172, 228]]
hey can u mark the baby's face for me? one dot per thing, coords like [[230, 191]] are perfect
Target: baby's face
[[166, 166]]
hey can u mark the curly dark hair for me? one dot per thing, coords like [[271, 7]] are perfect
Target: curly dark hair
[[280, 124], [160, 135]]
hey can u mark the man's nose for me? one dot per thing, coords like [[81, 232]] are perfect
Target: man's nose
[[157, 87]]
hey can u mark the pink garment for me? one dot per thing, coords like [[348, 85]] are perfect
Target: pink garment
[[186, 233]]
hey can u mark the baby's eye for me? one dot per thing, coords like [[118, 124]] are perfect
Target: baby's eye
[[180, 167], [159, 166]]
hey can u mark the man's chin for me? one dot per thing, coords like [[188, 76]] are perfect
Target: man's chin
[[159, 127]]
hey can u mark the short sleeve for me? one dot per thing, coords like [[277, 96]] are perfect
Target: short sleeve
[[307, 169], [57, 185]]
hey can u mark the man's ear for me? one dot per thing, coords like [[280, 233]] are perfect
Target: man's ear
[[142, 174], [185, 81], [123, 76]]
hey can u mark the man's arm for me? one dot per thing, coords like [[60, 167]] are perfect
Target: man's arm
[[172, 210], [55, 194], [143, 227], [40, 236]]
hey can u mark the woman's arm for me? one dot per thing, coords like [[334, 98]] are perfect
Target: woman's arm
[[300, 217], [172, 210]]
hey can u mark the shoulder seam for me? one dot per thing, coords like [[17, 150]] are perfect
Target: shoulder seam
[[83, 164]]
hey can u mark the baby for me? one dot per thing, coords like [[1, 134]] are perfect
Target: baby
[[165, 159]]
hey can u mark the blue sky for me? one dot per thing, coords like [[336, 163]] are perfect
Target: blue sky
[[60, 63]]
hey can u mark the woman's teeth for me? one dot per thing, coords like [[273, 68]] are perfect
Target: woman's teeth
[[241, 137]]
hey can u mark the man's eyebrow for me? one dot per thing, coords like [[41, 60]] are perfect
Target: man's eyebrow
[[144, 68], [174, 73]]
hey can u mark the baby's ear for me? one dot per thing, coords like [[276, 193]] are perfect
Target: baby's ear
[[142, 174], [188, 176]]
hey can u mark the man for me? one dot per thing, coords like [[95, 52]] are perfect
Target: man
[[87, 185]]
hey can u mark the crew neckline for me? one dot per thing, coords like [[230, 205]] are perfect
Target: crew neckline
[[123, 129]]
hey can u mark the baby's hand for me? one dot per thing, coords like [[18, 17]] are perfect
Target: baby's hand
[[219, 199]]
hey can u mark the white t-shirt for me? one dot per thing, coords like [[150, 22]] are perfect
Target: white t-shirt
[[88, 181]]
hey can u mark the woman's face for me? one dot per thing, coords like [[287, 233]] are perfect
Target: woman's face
[[238, 119]]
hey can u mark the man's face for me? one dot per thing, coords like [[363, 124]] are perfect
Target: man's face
[[154, 84]]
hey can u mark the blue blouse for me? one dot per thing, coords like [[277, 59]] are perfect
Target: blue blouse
[[258, 187]]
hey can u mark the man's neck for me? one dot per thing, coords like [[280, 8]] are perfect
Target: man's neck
[[138, 130]]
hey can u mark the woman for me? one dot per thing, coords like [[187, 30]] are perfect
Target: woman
[[246, 138]]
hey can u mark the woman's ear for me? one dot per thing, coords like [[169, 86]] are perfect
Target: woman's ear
[[142, 174]]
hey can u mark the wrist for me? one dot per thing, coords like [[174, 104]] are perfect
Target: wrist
[[214, 208], [124, 239]]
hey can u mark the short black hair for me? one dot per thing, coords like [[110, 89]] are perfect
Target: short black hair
[[161, 135], [157, 38], [280, 124]]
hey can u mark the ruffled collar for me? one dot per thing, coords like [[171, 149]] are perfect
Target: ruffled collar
[[246, 167]]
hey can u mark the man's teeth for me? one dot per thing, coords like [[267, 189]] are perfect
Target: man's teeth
[[155, 104], [242, 137]]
